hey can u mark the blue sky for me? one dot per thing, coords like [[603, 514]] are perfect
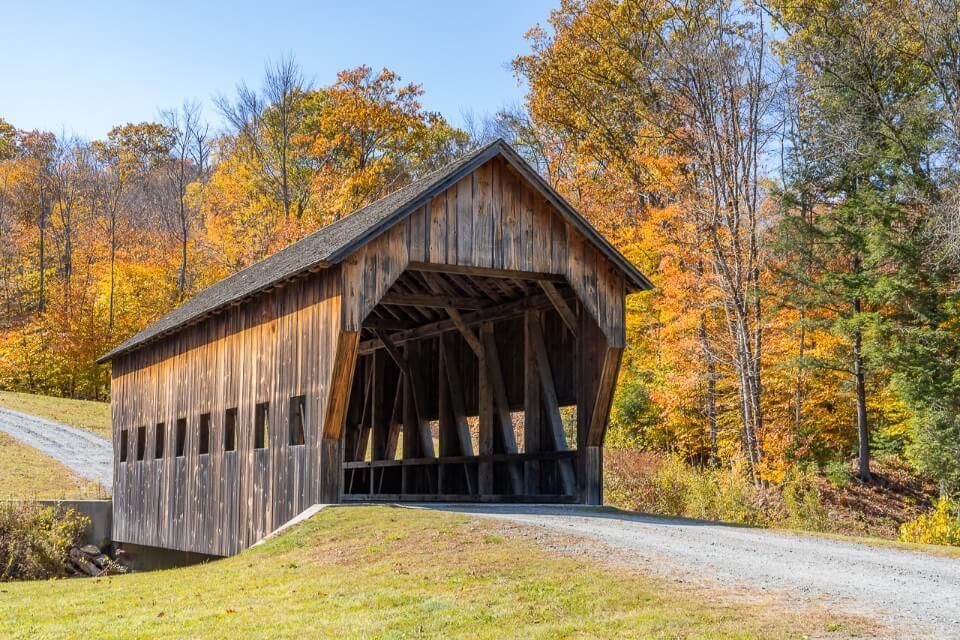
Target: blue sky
[[84, 67]]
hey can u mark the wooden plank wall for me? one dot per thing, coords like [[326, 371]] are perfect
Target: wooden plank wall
[[490, 219], [291, 341], [271, 349]]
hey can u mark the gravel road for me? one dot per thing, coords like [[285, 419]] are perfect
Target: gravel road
[[87, 455], [914, 592]]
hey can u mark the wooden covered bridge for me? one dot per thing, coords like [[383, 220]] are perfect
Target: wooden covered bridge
[[457, 340]]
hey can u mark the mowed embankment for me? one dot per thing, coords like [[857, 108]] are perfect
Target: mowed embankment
[[54, 447], [917, 593], [363, 572]]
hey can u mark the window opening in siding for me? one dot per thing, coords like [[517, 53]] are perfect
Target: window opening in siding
[[123, 445], [204, 433], [261, 425], [298, 419], [158, 437], [141, 442], [230, 430], [181, 436]]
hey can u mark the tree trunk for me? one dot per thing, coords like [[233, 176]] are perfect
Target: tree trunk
[[113, 265], [182, 281], [184, 233], [863, 431], [711, 400], [42, 225], [798, 391]]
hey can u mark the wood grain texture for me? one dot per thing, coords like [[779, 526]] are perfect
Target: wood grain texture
[[495, 237]]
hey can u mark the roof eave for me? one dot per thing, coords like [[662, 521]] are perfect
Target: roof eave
[[131, 344], [636, 281]]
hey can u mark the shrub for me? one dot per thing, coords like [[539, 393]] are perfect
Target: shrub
[[725, 494], [838, 473], [628, 479], [940, 526], [35, 541], [801, 501], [669, 486]]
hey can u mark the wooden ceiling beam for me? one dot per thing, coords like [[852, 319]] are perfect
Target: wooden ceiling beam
[[432, 301], [566, 313], [487, 272], [493, 314]]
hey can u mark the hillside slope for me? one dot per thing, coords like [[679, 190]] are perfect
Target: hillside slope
[[25, 473], [83, 414], [394, 573]]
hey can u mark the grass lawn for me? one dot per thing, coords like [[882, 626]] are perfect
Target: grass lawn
[[27, 473], [85, 414], [381, 572]]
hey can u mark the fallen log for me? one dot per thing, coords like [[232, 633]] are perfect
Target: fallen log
[[80, 560]]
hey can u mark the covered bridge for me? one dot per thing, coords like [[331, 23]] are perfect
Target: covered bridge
[[458, 339]]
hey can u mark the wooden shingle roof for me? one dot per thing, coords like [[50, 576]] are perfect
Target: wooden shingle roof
[[331, 244]]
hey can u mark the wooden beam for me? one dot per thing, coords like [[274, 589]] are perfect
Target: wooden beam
[[341, 379], [604, 400], [360, 446], [393, 351], [457, 402], [393, 430], [388, 324], [485, 411], [486, 272], [531, 408], [454, 430], [417, 385], [566, 313], [379, 420], [550, 403], [502, 405], [432, 329], [465, 331], [435, 284], [431, 301]]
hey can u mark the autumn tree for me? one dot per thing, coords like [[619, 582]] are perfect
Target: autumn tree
[[869, 119], [367, 135], [676, 103], [265, 124], [129, 153], [186, 166]]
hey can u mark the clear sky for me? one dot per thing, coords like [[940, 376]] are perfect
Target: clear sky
[[84, 67]]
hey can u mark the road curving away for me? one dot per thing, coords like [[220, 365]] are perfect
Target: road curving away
[[914, 592], [86, 454]]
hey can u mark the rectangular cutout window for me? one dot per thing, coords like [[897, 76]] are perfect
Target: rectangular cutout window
[[261, 425], [230, 430], [204, 433], [181, 436], [298, 419], [141, 442], [158, 438], [123, 445]]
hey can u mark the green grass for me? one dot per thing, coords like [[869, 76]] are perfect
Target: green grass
[[381, 572], [25, 473], [84, 414]]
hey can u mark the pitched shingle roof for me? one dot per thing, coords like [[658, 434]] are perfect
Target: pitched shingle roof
[[329, 245]]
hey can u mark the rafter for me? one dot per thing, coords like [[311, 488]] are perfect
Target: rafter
[[431, 301], [566, 313]]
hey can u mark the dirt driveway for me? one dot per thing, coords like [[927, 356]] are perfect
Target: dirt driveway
[[87, 455], [915, 592]]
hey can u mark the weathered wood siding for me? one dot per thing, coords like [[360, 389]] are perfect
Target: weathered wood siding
[[302, 339], [490, 219], [271, 349]]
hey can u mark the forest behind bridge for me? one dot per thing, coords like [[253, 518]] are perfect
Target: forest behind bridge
[[785, 173]]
